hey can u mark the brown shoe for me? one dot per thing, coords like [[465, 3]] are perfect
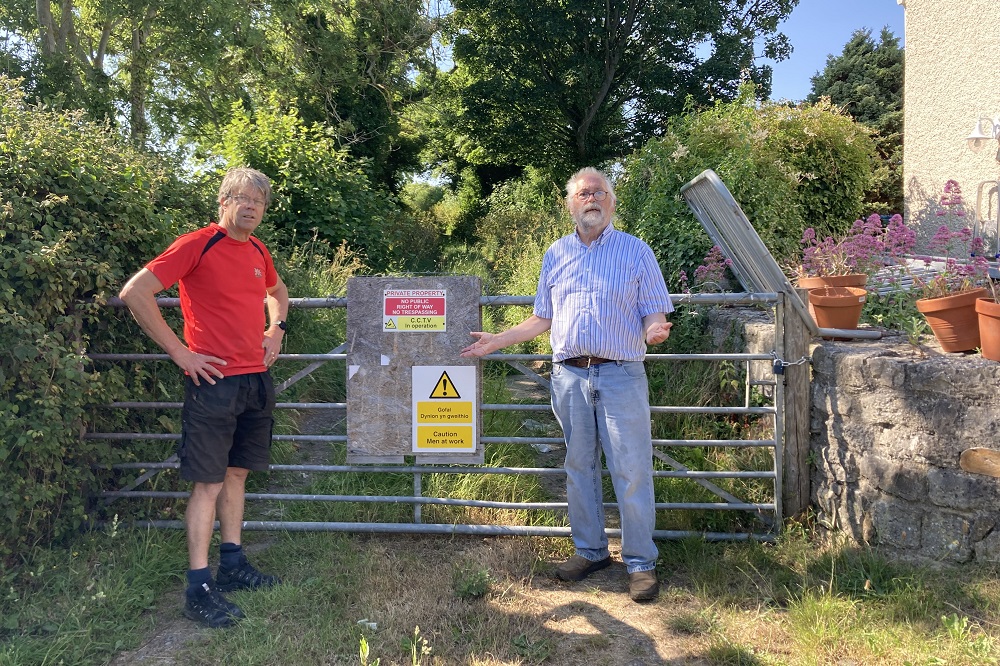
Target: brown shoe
[[578, 568], [643, 585]]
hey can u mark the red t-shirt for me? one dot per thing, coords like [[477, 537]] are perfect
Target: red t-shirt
[[222, 294]]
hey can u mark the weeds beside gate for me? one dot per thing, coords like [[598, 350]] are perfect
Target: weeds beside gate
[[709, 476]]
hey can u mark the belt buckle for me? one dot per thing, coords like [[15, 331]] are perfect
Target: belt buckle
[[590, 359]]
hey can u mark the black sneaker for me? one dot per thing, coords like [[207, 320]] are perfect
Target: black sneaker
[[243, 577], [206, 605]]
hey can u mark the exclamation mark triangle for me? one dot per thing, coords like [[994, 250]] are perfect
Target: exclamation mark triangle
[[445, 388]]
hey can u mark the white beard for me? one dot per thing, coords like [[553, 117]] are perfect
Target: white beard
[[591, 219]]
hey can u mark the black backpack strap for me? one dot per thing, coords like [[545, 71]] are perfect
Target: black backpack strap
[[216, 237]]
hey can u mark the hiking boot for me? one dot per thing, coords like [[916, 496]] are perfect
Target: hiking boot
[[243, 577], [206, 605], [578, 567], [643, 585]]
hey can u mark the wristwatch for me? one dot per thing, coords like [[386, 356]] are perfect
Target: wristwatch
[[282, 324]]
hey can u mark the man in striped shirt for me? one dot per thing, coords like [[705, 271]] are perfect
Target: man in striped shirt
[[602, 296]]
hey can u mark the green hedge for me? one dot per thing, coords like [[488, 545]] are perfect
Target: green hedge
[[79, 212], [788, 167]]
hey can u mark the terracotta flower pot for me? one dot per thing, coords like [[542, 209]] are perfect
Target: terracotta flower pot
[[811, 282], [837, 307], [953, 319], [989, 328], [852, 280]]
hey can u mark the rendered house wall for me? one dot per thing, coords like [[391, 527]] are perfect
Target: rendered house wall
[[952, 78]]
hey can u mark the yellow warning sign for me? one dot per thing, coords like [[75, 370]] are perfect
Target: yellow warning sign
[[444, 388], [421, 323], [437, 437], [390, 325], [444, 412]]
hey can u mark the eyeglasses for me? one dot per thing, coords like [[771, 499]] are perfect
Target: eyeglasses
[[599, 195], [243, 200]]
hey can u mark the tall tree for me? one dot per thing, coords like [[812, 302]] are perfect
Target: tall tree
[[168, 71], [108, 57], [866, 80], [560, 83], [347, 65]]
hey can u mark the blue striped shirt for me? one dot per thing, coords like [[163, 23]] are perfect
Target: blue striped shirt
[[597, 296]]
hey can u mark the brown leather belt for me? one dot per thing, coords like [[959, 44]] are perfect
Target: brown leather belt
[[586, 361]]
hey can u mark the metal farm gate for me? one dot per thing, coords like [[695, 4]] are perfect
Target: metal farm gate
[[775, 392], [767, 513]]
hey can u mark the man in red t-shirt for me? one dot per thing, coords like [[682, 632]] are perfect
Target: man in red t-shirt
[[225, 276]]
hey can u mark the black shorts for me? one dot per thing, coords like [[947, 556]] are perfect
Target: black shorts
[[226, 424]]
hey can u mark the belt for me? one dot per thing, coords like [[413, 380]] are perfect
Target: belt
[[587, 361]]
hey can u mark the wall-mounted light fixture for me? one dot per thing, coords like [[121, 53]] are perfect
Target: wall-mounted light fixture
[[984, 131]]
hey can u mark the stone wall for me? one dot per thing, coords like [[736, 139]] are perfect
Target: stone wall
[[888, 423]]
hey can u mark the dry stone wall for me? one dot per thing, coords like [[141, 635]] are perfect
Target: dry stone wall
[[889, 421]]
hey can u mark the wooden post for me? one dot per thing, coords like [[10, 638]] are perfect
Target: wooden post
[[795, 485]]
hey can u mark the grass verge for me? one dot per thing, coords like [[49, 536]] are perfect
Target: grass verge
[[441, 600]]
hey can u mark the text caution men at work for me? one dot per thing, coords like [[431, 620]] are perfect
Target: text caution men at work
[[444, 408]]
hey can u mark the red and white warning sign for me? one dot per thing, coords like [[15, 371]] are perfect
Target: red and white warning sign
[[406, 310]]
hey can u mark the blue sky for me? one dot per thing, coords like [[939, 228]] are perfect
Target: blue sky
[[820, 28]]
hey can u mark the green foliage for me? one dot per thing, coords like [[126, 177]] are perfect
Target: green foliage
[[321, 190], [563, 84], [705, 383], [523, 218], [84, 603], [866, 81], [788, 168], [470, 580], [79, 212], [422, 196], [894, 310], [345, 66], [174, 68]]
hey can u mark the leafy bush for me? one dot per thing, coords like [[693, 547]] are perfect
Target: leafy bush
[[318, 187], [788, 168], [524, 217], [80, 211]]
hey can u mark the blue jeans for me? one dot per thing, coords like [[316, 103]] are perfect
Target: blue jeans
[[607, 406]]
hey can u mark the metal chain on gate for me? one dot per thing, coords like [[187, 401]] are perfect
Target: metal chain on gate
[[779, 364]]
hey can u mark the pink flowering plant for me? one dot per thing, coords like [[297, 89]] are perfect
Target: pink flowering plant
[[712, 275], [867, 248], [965, 265]]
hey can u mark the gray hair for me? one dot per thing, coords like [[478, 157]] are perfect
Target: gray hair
[[246, 176], [589, 171]]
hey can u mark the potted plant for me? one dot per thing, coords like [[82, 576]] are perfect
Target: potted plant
[[848, 261], [837, 307], [988, 311], [947, 298]]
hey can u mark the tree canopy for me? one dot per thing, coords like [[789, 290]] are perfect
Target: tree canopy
[[169, 71], [866, 80], [562, 83]]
